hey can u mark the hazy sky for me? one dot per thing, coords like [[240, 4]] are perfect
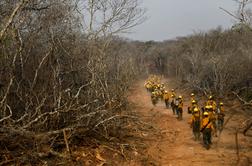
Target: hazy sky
[[168, 19]]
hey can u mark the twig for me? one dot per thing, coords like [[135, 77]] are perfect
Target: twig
[[53, 113], [66, 142], [122, 151], [78, 93], [7, 117], [113, 117], [229, 13], [7, 91], [21, 118], [38, 118], [39, 66]]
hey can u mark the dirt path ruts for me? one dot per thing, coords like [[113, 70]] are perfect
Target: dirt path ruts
[[175, 145]]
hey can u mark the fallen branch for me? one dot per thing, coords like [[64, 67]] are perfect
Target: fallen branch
[[53, 113], [38, 118], [17, 131], [114, 117], [245, 103], [66, 142]]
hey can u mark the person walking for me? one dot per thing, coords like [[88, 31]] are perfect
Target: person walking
[[206, 129], [195, 123], [180, 108], [166, 98]]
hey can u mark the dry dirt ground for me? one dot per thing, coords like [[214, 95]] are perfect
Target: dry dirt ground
[[173, 145]]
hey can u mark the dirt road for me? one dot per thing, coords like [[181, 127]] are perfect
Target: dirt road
[[173, 144]]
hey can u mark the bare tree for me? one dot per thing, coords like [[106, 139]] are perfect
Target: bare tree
[[58, 80], [243, 14]]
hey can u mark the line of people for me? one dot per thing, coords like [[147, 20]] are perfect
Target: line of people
[[206, 120], [159, 93]]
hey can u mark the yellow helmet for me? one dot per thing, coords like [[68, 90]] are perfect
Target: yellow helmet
[[210, 97], [180, 97], [196, 109], [194, 102], [207, 107], [205, 113], [192, 94], [165, 91], [221, 104]]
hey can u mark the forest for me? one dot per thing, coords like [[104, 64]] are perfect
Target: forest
[[66, 74]]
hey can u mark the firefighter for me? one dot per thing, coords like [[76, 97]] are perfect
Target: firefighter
[[205, 109], [220, 116], [206, 129], [147, 85], [173, 106], [154, 98], [212, 103], [159, 92], [162, 88], [173, 92], [195, 123], [179, 108], [192, 106], [212, 117], [173, 100], [210, 112], [154, 86], [192, 97], [166, 98]]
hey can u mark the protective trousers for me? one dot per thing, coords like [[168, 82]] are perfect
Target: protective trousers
[[167, 103], [207, 137], [196, 129]]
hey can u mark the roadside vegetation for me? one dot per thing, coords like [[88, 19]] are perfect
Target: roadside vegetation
[[65, 75]]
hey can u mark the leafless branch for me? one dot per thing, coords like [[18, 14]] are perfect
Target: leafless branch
[[38, 68], [7, 91], [7, 117], [114, 117], [245, 103], [12, 16], [229, 13]]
